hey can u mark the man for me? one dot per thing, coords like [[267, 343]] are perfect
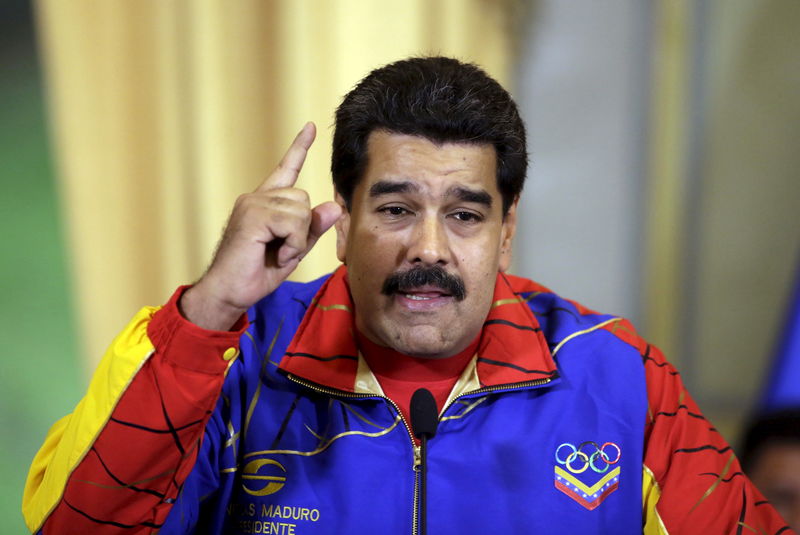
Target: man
[[252, 405], [771, 458]]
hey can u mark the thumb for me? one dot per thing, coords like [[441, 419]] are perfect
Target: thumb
[[323, 217]]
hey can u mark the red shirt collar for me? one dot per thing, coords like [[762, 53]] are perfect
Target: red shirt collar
[[386, 362]]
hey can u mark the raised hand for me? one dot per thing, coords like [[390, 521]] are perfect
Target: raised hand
[[269, 231]]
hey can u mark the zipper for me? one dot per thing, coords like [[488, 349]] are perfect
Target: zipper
[[489, 389], [417, 468], [416, 449]]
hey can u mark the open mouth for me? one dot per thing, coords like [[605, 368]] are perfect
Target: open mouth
[[420, 297], [423, 299], [425, 294]]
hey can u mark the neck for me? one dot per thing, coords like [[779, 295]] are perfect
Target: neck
[[386, 362]]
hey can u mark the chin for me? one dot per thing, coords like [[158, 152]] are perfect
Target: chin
[[424, 342], [427, 354]]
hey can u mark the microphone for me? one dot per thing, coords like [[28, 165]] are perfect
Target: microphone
[[424, 414], [424, 420]]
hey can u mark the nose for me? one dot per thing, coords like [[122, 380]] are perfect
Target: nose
[[429, 242]]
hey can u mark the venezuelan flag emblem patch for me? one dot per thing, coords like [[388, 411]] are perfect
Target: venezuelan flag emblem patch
[[588, 473]]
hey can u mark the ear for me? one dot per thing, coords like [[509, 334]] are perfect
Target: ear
[[342, 228], [507, 235]]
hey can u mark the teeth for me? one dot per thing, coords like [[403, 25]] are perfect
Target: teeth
[[417, 297]]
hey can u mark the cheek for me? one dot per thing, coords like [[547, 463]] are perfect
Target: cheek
[[373, 254], [377, 242], [482, 257]]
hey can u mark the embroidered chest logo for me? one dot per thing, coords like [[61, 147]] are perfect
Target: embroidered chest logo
[[263, 477], [587, 472]]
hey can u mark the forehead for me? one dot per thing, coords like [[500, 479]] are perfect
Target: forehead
[[428, 164]]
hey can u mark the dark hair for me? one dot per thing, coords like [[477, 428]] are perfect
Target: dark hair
[[781, 427], [441, 99]]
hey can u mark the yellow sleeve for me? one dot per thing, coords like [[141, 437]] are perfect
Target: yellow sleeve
[[72, 436], [650, 496]]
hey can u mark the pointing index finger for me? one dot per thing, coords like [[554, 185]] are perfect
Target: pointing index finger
[[285, 175]]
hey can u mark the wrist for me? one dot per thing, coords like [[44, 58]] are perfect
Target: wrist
[[207, 311]]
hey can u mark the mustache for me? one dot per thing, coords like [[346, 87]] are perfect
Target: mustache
[[425, 276]]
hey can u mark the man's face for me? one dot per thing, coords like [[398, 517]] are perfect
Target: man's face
[[421, 208], [776, 473]]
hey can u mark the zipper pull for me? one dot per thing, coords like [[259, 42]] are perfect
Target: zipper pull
[[417, 458]]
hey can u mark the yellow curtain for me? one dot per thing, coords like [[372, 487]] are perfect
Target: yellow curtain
[[163, 111], [666, 198]]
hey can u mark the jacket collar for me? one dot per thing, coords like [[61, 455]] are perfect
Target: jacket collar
[[512, 348]]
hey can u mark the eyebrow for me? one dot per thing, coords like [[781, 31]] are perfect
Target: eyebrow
[[388, 187], [471, 195]]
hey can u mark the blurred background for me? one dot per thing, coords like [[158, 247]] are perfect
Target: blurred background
[[663, 186]]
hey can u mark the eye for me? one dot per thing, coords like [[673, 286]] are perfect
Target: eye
[[394, 211], [467, 217]]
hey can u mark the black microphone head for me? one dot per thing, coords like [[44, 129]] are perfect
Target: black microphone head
[[424, 414]]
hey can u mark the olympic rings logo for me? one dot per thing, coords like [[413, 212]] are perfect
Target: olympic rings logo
[[588, 455]]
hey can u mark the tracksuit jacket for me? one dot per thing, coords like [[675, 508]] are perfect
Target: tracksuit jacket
[[565, 421]]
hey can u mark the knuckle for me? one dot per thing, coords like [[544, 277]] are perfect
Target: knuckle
[[290, 213], [245, 202], [279, 201], [295, 194], [302, 196]]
